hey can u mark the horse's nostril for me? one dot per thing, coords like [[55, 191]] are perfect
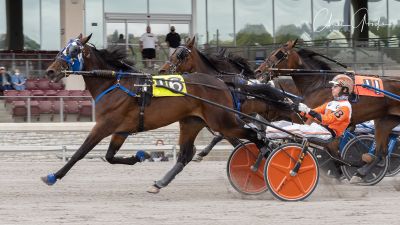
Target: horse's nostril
[[49, 72]]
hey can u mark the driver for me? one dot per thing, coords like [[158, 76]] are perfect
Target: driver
[[329, 120]]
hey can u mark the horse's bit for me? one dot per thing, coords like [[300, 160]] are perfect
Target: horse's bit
[[181, 56]]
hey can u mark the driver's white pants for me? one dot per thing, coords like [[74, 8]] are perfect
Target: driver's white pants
[[312, 130]]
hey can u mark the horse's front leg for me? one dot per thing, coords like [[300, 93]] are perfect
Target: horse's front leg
[[117, 140], [383, 128], [189, 129], [96, 135], [199, 157]]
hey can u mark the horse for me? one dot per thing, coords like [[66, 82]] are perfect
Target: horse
[[315, 90], [187, 58], [119, 114]]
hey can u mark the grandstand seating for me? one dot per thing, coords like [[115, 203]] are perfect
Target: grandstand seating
[[42, 84], [49, 108]]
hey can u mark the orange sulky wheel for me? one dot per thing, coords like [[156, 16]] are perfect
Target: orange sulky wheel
[[277, 173], [240, 175]]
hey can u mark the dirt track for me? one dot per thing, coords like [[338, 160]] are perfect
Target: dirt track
[[96, 192]]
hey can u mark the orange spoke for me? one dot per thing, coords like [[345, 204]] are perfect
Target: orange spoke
[[281, 184], [304, 169], [244, 167], [284, 169], [299, 184], [247, 182]]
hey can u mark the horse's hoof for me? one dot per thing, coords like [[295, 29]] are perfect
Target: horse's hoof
[[153, 189], [368, 158], [142, 155], [197, 158], [49, 179], [356, 180]]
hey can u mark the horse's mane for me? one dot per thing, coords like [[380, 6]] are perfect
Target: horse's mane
[[222, 62], [241, 62], [312, 61], [310, 57], [207, 61], [116, 57]]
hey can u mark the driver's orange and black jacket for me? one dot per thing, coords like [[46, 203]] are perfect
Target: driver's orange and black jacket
[[333, 115]]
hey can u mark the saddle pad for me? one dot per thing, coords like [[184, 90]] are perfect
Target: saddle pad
[[175, 82], [372, 81]]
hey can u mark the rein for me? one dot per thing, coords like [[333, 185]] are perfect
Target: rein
[[120, 75]]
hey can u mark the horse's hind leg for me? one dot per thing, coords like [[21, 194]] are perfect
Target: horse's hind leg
[[96, 135], [117, 140], [189, 129], [208, 148], [234, 142], [383, 128]]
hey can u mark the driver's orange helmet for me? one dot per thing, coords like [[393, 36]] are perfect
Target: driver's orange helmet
[[345, 82]]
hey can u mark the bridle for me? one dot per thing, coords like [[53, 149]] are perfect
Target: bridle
[[279, 55], [181, 57], [72, 55]]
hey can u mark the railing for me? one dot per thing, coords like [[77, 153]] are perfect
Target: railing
[[61, 104], [376, 54], [64, 152]]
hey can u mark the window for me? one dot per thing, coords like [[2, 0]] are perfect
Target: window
[[3, 24], [170, 6], [94, 21], [31, 23], [250, 29], [329, 20], [50, 25], [292, 20], [220, 22], [125, 6]]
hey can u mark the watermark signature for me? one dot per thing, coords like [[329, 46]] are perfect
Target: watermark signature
[[325, 14]]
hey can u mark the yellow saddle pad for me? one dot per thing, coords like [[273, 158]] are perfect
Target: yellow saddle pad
[[175, 82]]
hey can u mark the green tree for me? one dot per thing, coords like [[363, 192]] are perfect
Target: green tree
[[252, 34]]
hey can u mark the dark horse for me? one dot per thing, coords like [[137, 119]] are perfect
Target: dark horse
[[117, 113], [188, 58], [314, 88]]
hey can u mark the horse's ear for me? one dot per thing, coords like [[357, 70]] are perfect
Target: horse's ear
[[294, 43], [191, 42], [222, 51], [86, 39], [79, 36]]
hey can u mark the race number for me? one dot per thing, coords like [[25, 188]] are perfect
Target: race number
[[338, 113], [172, 82], [175, 82]]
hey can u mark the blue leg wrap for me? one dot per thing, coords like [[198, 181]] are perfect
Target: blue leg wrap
[[141, 155], [51, 179]]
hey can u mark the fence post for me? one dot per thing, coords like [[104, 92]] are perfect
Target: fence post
[[28, 114], [64, 153], [174, 152]]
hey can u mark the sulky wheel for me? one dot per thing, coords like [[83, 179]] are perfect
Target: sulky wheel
[[240, 175], [394, 161], [352, 153], [277, 173]]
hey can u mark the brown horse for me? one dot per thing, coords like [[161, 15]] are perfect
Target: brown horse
[[188, 58], [314, 88], [118, 114]]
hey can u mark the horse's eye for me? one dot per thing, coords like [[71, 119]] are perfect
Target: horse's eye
[[73, 51], [279, 55], [181, 55]]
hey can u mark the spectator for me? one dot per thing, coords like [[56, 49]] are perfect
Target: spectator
[[148, 43], [5, 80], [173, 40], [122, 41], [18, 80]]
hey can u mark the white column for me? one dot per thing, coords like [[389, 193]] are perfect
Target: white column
[[72, 24]]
